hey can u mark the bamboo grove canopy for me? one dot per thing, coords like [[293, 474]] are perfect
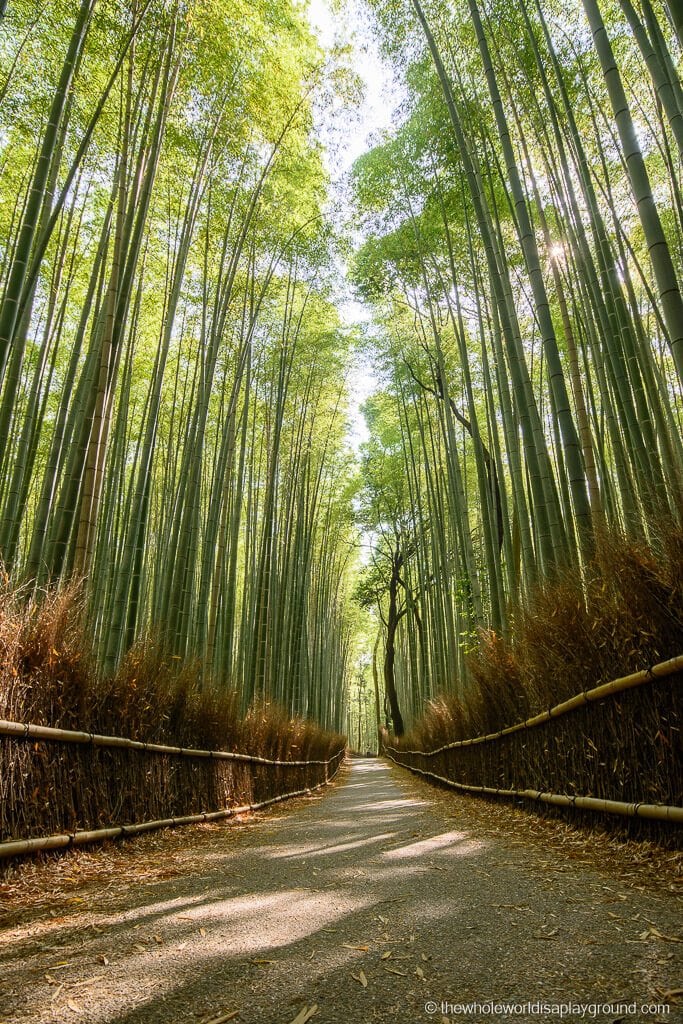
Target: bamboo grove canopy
[[173, 367], [173, 400]]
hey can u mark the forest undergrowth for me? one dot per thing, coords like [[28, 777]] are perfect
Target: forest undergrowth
[[49, 676], [621, 615]]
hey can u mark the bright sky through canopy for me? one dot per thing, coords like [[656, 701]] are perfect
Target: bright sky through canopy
[[376, 110], [374, 115]]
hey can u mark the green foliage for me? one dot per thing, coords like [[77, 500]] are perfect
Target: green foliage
[[175, 414], [501, 250]]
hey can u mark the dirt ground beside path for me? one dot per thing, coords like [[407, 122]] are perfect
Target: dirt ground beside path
[[383, 901]]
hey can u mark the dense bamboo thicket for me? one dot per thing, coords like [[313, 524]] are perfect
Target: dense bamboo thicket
[[523, 254], [49, 676], [573, 635], [173, 402], [174, 370]]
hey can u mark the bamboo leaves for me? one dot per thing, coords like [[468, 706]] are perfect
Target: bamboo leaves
[[177, 436], [524, 263]]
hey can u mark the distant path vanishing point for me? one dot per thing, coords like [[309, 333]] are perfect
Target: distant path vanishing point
[[373, 903]]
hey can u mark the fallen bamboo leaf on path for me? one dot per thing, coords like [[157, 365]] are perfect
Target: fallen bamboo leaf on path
[[305, 1014], [654, 933], [222, 1018]]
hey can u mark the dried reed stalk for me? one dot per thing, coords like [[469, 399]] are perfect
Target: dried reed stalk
[[656, 812], [662, 670], [23, 730], [22, 847]]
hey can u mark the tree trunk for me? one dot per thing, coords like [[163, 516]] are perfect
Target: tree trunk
[[393, 618]]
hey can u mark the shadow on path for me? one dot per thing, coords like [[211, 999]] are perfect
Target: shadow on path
[[366, 902]]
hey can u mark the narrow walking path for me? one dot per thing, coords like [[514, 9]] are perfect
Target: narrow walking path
[[381, 901]]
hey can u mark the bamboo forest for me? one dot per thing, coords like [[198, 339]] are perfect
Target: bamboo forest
[[341, 445]]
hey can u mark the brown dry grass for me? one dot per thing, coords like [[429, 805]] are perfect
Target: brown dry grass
[[48, 676], [573, 633]]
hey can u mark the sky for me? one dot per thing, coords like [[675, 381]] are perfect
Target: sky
[[376, 110], [353, 138]]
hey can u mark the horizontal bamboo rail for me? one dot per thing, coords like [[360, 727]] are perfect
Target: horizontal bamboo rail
[[20, 730], [18, 847], [664, 668], [658, 812]]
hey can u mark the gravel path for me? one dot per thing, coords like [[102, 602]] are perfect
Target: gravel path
[[382, 901]]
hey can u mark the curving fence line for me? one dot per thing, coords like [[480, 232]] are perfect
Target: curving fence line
[[95, 781], [619, 746], [44, 732]]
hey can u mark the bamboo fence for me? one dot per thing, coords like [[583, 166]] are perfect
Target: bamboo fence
[[615, 749], [61, 787]]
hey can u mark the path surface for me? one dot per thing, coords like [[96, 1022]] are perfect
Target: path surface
[[369, 903]]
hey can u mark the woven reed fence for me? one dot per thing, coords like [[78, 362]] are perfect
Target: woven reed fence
[[615, 749], [59, 787]]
